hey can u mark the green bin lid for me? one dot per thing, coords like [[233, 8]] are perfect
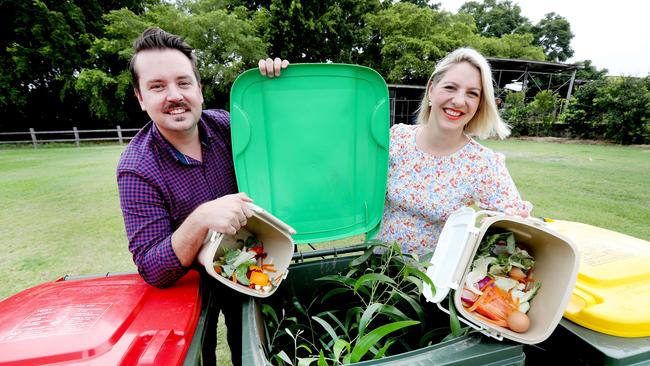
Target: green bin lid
[[311, 147]]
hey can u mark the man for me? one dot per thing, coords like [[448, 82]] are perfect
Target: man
[[176, 178]]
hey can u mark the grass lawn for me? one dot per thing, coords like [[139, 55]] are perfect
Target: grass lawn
[[60, 209], [60, 215], [601, 185]]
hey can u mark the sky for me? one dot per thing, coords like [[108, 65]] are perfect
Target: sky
[[613, 34]]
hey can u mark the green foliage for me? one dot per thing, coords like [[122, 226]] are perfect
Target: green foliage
[[582, 115], [382, 305], [315, 31], [412, 39], [554, 34], [615, 108], [516, 113], [543, 109], [95, 87], [590, 72], [44, 43], [496, 18], [224, 41], [626, 101], [68, 59], [518, 46]]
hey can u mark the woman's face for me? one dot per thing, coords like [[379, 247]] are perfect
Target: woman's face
[[456, 97]]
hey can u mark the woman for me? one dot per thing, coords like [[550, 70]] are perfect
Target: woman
[[435, 167]]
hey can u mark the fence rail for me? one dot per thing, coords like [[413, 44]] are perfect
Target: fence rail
[[401, 111], [117, 134]]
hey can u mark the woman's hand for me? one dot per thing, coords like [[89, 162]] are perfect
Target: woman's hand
[[515, 212]]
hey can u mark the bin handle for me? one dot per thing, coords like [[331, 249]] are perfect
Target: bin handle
[[532, 220], [155, 345], [272, 219]]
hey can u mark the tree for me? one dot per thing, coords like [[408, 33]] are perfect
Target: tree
[[316, 31], [626, 101], [553, 33], [616, 108], [496, 18], [544, 106], [516, 46], [44, 43], [423, 4], [412, 39], [224, 42], [590, 72], [516, 113], [582, 115]]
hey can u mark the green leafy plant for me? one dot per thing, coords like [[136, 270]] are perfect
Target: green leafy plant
[[543, 109], [516, 113], [371, 310]]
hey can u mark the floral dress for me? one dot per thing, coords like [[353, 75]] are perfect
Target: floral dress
[[423, 190]]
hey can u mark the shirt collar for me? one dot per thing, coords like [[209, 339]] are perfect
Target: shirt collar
[[205, 135]]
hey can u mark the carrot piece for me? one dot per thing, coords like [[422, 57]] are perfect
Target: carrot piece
[[501, 322], [259, 278], [278, 278], [269, 267]]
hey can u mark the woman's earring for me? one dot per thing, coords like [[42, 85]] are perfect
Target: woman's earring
[[429, 102]]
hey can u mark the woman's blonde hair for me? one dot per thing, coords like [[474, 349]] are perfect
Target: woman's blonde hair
[[486, 122]]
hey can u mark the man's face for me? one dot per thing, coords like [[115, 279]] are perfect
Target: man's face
[[169, 91]]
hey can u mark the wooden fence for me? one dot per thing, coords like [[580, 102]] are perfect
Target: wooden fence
[[401, 111], [75, 135]]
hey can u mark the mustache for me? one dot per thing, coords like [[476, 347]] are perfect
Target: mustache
[[174, 105]]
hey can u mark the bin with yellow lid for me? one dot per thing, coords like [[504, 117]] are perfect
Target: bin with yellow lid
[[607, 321], [612, 293]]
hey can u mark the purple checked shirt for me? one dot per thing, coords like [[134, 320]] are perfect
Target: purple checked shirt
[[159, 187]]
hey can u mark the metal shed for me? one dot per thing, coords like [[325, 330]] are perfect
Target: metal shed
[[508, 74]]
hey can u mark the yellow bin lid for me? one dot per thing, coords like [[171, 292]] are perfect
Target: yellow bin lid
[[612, 293]]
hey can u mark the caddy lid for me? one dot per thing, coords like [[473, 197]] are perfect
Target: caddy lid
[[311, 147], [452, 254]]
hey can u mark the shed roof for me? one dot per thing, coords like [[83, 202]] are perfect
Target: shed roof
[[508, 64]]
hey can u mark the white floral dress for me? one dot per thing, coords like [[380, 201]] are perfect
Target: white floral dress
[[423, 190]]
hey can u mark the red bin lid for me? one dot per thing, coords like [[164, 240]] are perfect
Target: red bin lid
[[110, 320]]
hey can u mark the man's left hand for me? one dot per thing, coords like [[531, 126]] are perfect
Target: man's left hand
[[272, 67]]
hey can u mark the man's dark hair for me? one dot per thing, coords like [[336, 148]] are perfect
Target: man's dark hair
[[154, 38]]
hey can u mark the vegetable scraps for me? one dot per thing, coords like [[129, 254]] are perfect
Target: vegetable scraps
[[246, 266], [500, 285]]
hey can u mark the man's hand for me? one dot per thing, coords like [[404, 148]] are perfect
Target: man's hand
[[226, 214], [272, 68]]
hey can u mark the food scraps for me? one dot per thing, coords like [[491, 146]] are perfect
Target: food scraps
[[500, 285], [245, 266]]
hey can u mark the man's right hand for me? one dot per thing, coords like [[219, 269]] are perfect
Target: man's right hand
[[226, 214]]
